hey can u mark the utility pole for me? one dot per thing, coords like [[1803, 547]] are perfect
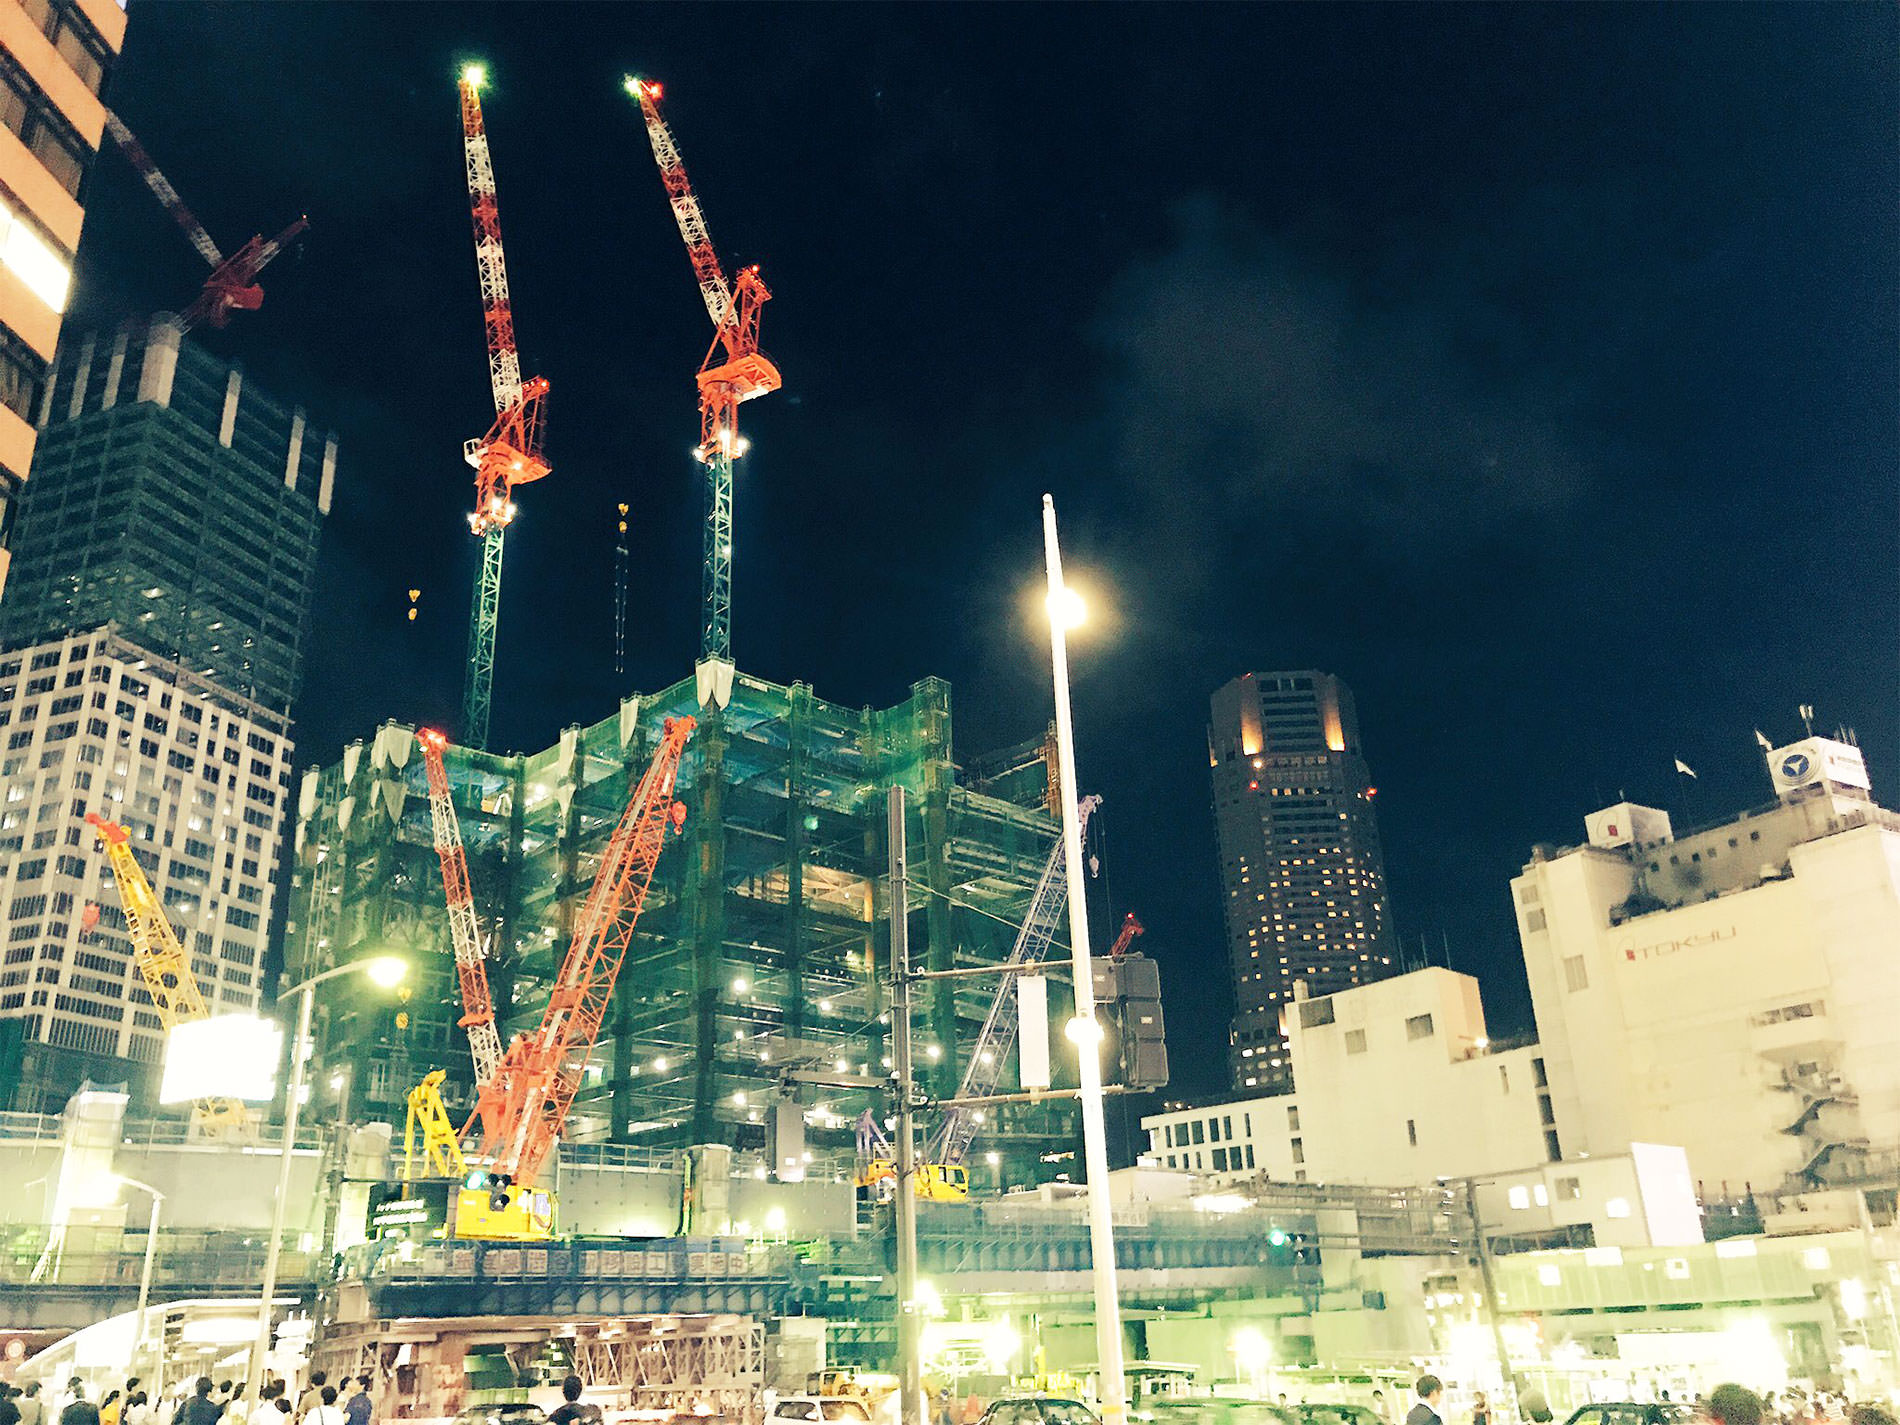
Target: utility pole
[[909, 1328], [1483, 1250]]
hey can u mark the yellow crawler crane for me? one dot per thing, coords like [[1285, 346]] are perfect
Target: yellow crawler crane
[[441, 1146], [165, 968]]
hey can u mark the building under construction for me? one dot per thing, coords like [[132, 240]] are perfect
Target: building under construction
[[762, 946]]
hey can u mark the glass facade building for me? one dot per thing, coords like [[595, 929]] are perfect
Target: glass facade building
[[176, 502]]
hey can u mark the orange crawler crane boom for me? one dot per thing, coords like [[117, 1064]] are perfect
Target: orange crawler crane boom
[[523, 1108], [478, 1006]]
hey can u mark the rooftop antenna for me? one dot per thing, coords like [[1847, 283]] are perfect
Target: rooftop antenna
[[1806, 711]]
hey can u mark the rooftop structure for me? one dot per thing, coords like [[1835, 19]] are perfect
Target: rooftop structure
[[762, 942], [1301, 864], [176, 501]]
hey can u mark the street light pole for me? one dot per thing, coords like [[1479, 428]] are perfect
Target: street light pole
[[1084, 1030], [386, 970], [145, 1282], [909, 1327]]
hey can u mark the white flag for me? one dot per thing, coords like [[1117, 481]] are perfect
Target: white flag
[[1684, 768], [1766, 745]]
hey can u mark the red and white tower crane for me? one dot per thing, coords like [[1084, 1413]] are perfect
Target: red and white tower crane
[[232, 285], [734, 371], [523, 1108], [510, 454], [478, 1006]]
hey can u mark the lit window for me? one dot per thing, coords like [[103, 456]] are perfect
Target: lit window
[[30, 258]]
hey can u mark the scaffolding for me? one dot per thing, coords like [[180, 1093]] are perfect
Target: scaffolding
[[760, 945]]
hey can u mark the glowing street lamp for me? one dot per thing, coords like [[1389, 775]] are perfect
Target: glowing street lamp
[[384, 971], [1065, 612]]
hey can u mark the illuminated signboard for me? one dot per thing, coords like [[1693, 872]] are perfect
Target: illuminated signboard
[[226, 1056], [409, 1209]]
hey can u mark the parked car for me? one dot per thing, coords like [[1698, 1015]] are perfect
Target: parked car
[[1038, 1410], [509, 1412], [852, 1408], [1632, 1412], [1329, 1414], [1218, 1410]]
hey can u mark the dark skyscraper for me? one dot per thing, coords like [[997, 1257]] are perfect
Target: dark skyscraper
[[177, 502], [1300, 860]]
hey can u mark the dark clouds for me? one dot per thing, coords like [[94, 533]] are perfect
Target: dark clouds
[[1244, 377]]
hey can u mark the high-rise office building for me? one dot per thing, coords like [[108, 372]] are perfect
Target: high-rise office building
[[200, 777], [176, 501], [150, 647], [1300, 861], [54, 59]]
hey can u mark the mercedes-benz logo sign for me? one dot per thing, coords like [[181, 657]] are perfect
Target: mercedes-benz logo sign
[[1795, 764]]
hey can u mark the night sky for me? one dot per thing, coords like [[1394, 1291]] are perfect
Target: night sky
[[1532, 368]]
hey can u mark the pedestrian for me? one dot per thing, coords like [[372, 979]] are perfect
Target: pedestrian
[[1480, 1409], [1731, 1404], [1430, 1390], [312, 1396], [234, 1412], [266, 1402], [75, 1391], [109, 1408], [359, 1408], [32, 1408], [9, 1411], [199, 1408], [325, 1411], [1379, 1408], [570, 1411], [137, 1409]]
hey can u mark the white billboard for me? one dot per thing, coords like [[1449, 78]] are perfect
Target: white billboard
[[226, 1056]]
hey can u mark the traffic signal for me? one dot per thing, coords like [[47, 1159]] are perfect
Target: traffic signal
[[1130, 987]]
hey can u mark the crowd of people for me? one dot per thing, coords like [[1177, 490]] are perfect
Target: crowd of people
[[1728, 1404], [200, 1402]]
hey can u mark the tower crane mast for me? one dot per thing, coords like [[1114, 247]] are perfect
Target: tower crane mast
[[510, 454], [523, 1108], [734, 371], [161, 960], [478, 1006]]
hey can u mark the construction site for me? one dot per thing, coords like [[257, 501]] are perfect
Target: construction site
[[763, 939], [760, 948], [648, 969]]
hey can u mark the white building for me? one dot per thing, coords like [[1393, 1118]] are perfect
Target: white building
[[1398, 1083], [198, 775], [1735, 990]]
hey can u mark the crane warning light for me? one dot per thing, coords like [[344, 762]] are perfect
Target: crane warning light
[[475, 75], [677, 815]]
